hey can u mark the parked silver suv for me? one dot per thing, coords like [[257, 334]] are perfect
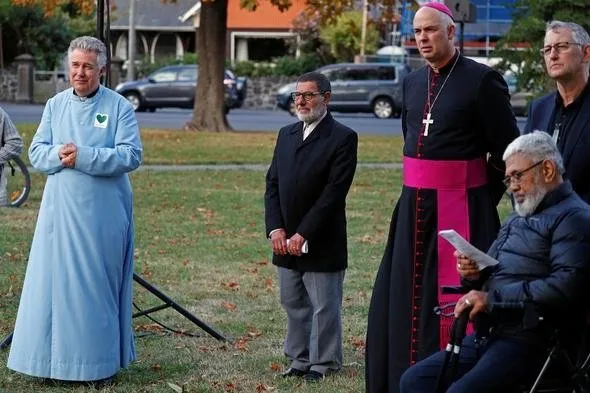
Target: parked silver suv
[[362, 87]]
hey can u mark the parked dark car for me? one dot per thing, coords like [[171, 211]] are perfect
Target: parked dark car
[[364, 87], [175, 86]]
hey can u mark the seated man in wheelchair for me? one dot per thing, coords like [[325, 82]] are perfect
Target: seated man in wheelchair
[[543, 251]]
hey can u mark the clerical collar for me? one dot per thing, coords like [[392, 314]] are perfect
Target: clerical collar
[[448, 65], [88, 96]]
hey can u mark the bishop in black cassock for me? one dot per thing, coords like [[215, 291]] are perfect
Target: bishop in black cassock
[[456, 124]]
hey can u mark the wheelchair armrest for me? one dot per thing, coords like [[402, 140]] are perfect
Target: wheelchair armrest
[[453, 290]]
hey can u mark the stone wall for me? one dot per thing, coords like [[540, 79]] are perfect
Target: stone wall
[[8, 85], [47, 88], [260, 92]]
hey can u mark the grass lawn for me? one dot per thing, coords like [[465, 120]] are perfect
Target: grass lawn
[[182, 148], [200, 239]]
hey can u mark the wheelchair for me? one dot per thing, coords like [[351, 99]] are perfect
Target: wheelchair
[[564, 370]]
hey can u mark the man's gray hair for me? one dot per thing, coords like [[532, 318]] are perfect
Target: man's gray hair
[[89, 44], [579, 34], [321, 81], [537, 145]]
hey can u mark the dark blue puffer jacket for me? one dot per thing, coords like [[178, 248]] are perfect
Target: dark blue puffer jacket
[[544, 265]]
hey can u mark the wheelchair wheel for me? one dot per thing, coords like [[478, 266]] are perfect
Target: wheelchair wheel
[[18, 181]]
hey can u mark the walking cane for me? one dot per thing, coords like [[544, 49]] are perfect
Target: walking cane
[[450, 364]]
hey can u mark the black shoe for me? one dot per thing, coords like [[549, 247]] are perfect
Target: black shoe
[[293, 372], [313, 376]]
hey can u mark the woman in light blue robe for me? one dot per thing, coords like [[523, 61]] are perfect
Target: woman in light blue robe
[[74, 317]]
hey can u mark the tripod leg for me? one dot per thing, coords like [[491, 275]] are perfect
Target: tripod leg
[[6, 342], [181, 310]]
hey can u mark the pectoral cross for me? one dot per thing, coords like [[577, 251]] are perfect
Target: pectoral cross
[[428, 121]]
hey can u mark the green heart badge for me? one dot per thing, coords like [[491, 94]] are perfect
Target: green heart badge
[[101, 120]]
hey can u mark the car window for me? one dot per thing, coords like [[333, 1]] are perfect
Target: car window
[[333, 74], [164, 76], [187, 74], [360, 74], [386, 73], [355, 74]]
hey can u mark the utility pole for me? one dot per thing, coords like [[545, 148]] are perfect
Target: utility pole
[[132, 45], [364, 30]]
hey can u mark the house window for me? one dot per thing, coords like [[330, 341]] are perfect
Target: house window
[[265, 49]]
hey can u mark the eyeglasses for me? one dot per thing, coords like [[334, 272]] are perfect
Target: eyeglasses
[[516, 177], [560, 47], [307, 95]]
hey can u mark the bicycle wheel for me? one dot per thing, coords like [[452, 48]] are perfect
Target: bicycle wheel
[[18, 181]]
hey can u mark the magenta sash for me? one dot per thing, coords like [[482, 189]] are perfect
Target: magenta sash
[[451, 180]]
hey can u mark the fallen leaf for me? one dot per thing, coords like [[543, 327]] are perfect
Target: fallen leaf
[[230, 387], [175, 387], [275, 367], [241, 344], [233, 285], [150, 327], [357, 343], [268, 284], [156, 367], [229, 306], [253, 332]]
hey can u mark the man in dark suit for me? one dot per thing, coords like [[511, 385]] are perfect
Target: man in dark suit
[[565, 113], [306, 186]]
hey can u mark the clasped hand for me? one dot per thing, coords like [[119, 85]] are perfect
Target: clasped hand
[[67, 154], [279, 243]]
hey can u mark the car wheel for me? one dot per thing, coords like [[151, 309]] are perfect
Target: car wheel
[[292, 108], [383, 108], [135, 100]]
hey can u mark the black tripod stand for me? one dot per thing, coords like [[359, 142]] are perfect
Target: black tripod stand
[[168, 302]]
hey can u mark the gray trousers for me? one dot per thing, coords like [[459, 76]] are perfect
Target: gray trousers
[[313, 302]]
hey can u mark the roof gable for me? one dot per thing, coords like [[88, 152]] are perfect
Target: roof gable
[[152, 15]]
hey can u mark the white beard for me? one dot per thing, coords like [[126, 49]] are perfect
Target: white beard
[[313, 115], [530, 203]]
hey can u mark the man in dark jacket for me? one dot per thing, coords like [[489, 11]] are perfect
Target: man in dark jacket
[[543, 269], [306, 186], [565, 113]]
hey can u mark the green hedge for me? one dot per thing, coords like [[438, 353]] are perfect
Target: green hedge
[[282, 66]]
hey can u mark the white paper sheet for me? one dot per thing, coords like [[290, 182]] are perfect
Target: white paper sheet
[[482, 259], [304, 248]]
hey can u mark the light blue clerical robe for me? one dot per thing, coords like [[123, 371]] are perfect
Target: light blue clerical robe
[[74, 317]]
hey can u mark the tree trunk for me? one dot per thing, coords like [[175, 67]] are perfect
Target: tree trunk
[[209, 110]]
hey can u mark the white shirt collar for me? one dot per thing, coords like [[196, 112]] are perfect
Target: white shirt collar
[[308, 128]]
